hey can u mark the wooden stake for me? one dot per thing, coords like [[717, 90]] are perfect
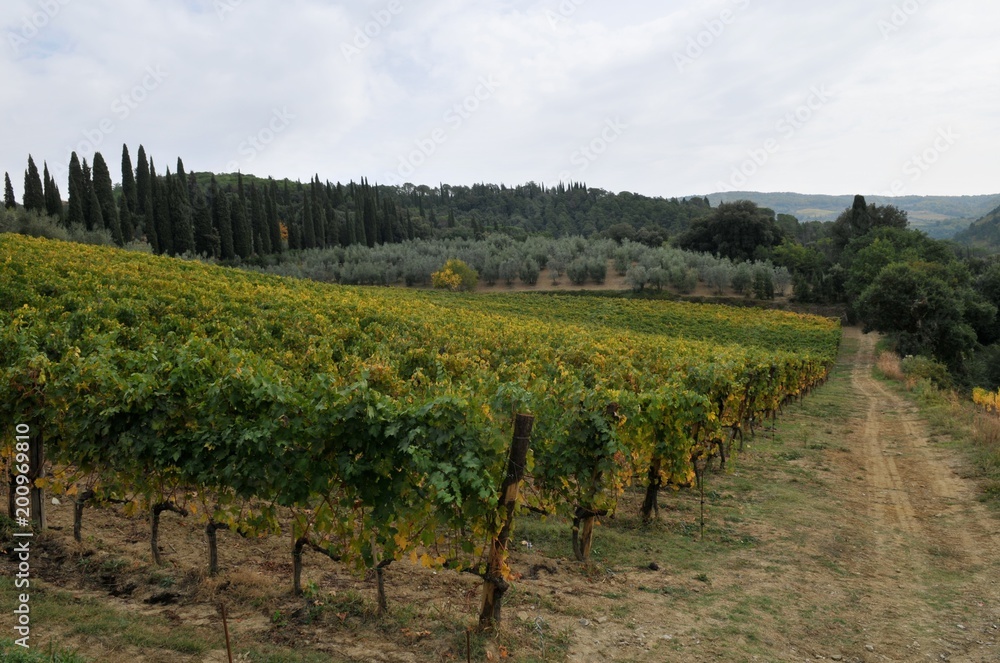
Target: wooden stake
[[225, 629]]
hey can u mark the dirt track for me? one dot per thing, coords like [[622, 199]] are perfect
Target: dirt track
[[932, 568]]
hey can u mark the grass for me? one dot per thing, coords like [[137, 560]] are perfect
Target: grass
[[954, 421], [13, 653]]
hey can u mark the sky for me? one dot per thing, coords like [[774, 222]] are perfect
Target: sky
[[658, 98]]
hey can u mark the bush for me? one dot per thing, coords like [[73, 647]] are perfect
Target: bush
[[924, 368], [455, 275]]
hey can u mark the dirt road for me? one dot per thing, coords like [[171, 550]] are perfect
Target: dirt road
[[930, 575]]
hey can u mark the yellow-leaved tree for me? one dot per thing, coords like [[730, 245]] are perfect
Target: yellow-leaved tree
[[455, 275]]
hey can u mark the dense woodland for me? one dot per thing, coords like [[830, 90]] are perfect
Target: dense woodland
[[932, 298]]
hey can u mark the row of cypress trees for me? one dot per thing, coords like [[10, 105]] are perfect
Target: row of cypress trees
[[180, 213]]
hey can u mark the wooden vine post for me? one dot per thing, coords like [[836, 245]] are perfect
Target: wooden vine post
[[495, 579]]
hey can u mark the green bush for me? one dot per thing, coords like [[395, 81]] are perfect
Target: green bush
[[923, 368]]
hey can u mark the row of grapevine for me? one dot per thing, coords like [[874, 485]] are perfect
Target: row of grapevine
[[374, 424]]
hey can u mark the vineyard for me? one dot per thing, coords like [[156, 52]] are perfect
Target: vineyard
[[373, 425]]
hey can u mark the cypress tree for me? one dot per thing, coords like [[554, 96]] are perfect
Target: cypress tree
[[143, 185], [258, 221], [160, 212], [88, 190], [126, 220], [180, 213], [308, 230], [222, 220], [105, 195], [182, 178], [34, 194], [206, 239], [95, 220], [273, 225], [130, 192], [317, 199], [77, 189], [53, 201], [9, 201], [242, 234]]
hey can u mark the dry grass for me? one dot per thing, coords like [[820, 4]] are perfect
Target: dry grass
[[890, 365], [986, 435]]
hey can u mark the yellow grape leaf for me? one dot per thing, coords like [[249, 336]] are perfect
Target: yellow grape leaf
[[440, 561], [426, 561], [413, 556], [72, 491]]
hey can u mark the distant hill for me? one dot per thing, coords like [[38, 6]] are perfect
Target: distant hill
[[941, 217], [984, 233]]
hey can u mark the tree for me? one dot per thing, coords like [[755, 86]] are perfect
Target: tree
[[53, 201], [861, 218], [159, 211], [144, 198], [180, 213], [128, 208], [455, 275], [736, 230], [242, 235], [206, 240], [922, 309], [222, 220], [105, 195], [9, 201], [34, 194], [77, 190]]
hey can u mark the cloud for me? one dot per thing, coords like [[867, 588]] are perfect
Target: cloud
[[365, 84]]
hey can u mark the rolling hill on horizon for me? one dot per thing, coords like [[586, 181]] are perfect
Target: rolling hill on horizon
[[941, 217]]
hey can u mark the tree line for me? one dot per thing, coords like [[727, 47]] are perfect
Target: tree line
[[236, 217]]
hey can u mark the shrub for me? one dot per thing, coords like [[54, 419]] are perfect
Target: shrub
[[923, 368], [455, 275]]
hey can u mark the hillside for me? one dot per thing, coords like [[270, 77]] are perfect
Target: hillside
[[984, 233], [940, 217]]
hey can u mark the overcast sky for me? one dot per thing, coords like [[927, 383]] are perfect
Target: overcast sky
[[659, 98]]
